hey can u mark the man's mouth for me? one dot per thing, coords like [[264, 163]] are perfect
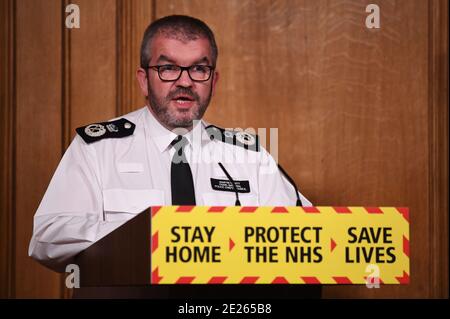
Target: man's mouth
[[183, 100]]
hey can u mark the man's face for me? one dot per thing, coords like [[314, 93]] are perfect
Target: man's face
[[178, 103]]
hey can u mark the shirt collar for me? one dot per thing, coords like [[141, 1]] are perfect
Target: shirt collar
[[163, 137]]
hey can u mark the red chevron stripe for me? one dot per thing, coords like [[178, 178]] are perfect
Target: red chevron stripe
[[311, 210], [184, 209], [248, 209], [406, 246], [155, 209], [280, 280], [217, 280], [155, 276], [404, 279], [342, 280], [405, 212], [310, 280], [332, 245], [279, 209], [154, 241], [374, 210], [342, 210], [216, 209], [185, 280], [249, 280], [230, 244]]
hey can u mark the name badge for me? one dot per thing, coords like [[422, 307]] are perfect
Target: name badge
[[227, 186]]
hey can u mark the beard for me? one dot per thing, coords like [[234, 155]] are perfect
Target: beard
[[170, 116]]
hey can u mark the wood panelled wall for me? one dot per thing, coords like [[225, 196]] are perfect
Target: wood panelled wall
[[7, 123], [362, 115]]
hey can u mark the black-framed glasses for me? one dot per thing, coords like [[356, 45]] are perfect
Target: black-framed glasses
[[172, 72]]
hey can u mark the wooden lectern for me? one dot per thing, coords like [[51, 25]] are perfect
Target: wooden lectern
[[119, 266]]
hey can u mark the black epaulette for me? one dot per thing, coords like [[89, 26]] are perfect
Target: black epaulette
[[114, 129], [238, 138]]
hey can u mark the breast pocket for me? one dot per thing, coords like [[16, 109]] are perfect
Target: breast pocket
[[119, 203], [228, 199]]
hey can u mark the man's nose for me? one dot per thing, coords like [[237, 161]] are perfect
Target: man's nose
[[184, 80]]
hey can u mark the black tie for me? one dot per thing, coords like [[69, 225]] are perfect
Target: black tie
[[180, 175]]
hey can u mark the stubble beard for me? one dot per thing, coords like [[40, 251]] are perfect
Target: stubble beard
[[170, 117]]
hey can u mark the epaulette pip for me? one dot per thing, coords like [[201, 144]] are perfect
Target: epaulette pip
[[238, 138], [113, 129]]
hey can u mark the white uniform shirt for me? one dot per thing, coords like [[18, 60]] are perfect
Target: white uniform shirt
[[99, 186]]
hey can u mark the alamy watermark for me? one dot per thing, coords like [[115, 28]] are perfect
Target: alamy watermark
[[73, 17], [73, 277], [373, 279], [373, 19]]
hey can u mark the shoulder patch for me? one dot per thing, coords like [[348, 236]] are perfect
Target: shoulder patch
[[114, 129], [238, 138]]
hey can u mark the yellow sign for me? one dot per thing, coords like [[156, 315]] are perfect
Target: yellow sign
[[294, 245]]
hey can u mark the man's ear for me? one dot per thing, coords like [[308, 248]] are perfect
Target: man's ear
[[141, 76], [215, 79]]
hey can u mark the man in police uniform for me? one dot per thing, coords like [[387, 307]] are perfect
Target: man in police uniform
[[161, 154]]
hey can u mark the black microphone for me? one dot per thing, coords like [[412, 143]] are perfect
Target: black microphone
[[237, 203], [299, 202]]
